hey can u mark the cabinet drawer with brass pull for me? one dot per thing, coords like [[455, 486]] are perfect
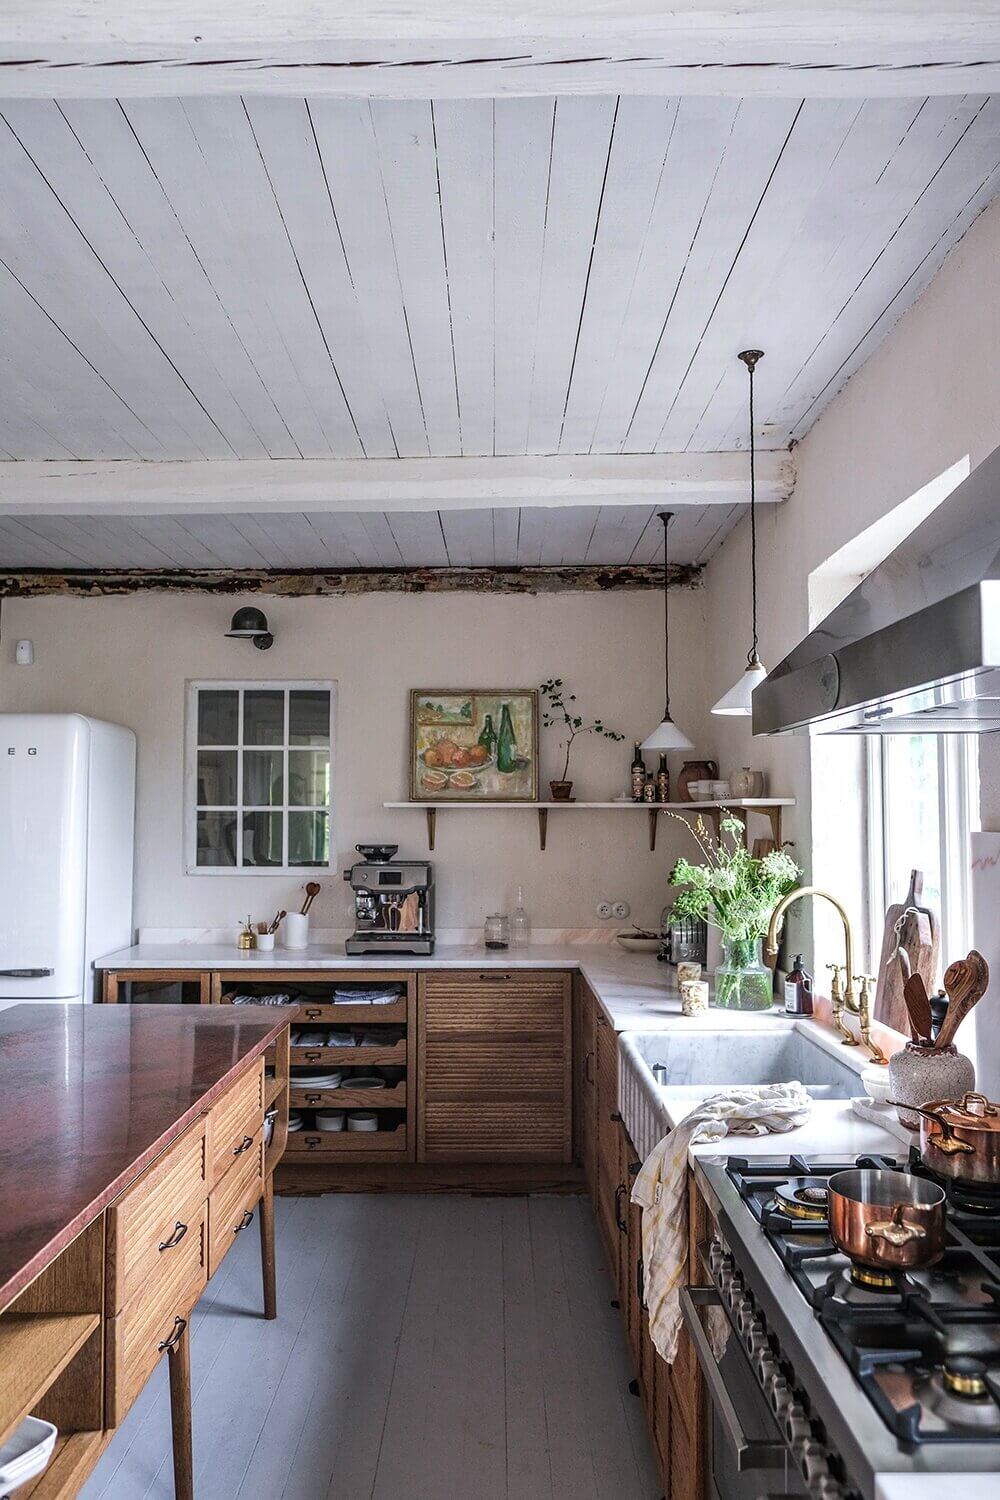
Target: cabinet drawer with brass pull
[[152, 1216], [232, 1202], [234, 1121]]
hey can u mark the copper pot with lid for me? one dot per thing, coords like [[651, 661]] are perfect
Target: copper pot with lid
[[890, 1221], [960, 1138]]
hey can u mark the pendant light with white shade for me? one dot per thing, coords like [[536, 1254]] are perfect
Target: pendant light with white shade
[[737, 702], [666, 735]]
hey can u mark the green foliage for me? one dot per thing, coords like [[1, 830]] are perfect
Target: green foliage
[[732, 890], [556, 713]]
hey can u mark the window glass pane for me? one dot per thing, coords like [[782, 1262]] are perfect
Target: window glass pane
[[263, 778], [216, 778], [262, 838], [308, 838], [912, 814], [263, 717], [309, 778], [216, 838], [218, 716], [308, 717]]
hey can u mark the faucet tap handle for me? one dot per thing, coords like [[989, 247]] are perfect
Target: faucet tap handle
[[865, 1016], [835, 991]]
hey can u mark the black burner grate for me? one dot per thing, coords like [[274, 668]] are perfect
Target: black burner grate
[[908, 1343]]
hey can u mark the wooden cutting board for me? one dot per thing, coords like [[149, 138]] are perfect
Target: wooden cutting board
[[920, 936]]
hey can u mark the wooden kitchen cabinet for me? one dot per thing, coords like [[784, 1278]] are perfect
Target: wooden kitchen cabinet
[[609, 1167], [494, 1066], [585, 1081]]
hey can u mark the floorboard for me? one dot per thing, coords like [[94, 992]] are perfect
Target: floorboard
[[426, 1348]]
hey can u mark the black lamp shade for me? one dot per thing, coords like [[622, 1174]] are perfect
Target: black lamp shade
[[248, 622]]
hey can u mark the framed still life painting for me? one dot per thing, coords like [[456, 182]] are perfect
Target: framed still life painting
[[474, 744]]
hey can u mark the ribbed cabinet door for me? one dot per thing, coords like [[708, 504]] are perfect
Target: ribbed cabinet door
[[494, 1066]]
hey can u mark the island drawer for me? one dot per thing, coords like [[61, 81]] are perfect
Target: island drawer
[[149, 1222], [234, 1121], [232, 1203], [148, 1319]]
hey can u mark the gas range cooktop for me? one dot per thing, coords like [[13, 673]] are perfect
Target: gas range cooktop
[[923, 1345]]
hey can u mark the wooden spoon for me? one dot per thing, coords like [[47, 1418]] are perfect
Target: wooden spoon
[[918, 1007], [966, 981], [312, 891]]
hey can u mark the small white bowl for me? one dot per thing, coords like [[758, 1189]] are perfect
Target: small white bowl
[[26, 1452], [329, 1119], [632, 943], [362, 1119], [876, 1084]]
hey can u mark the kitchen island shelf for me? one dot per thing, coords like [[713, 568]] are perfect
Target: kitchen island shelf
[[740, 807], [34, 1351]]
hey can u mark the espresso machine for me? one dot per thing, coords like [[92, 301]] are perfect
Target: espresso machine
[[393, 902]]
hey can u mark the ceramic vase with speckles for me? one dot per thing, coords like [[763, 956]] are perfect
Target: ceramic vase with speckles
[[919, 1074]]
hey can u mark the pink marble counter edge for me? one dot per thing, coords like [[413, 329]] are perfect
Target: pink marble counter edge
[[27, 1273]]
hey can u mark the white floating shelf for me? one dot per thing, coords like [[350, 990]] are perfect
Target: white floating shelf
[[771, 807]]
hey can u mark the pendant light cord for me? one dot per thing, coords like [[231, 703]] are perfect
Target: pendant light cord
[[666, 516], [750, 358]]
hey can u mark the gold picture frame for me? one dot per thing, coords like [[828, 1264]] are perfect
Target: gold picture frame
[[473, 745]]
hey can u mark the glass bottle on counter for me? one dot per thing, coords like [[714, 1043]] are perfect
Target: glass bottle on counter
[[520, 927], [798, 989], [638, 773]]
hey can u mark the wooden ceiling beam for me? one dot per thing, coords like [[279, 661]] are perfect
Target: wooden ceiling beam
[[300, 583], [465, 48], [123, 487]]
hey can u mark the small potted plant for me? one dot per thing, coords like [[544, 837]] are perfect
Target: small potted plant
[[558, 714], [736, 893]]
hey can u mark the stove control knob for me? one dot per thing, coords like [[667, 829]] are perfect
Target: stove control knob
[[765, 1366], [796, 1424], [755, 1340], [717, 1258], [827, 1488], [812, 1461], [746, 1318], [780, 1397]]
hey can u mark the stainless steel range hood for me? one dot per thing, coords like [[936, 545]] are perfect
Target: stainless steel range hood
[[915, 649]]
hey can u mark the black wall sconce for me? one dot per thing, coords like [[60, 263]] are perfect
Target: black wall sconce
[[250, 624]]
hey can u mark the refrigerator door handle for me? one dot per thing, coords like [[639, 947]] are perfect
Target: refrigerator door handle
[[26, 973]]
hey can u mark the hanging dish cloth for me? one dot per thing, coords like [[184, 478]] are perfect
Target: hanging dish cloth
[[660, 1188]]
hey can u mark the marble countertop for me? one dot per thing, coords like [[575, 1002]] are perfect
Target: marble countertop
[[89, 1095], [833, 1129]]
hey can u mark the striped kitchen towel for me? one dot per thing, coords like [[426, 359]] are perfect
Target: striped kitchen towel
[[660, 1189]]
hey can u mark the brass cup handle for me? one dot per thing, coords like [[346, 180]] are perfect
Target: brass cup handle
[[174, 1237], [174, 1339], [244, 1145], [894, 1231], [245, 1222]]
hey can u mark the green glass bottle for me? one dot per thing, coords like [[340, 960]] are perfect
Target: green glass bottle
[[506, 743], [488, 735]]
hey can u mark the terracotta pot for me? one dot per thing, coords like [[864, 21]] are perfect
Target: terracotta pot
[[889, 1220], [694, 770], [561, 790]]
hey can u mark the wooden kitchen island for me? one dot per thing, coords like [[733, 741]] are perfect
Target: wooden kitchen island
[[132, 1153]]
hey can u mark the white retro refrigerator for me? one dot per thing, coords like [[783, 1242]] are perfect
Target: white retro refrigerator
[[67, 821]]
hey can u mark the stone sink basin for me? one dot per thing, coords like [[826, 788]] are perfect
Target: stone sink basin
[[700, 1062]]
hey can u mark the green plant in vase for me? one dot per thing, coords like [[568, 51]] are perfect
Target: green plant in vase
[[735, 892]]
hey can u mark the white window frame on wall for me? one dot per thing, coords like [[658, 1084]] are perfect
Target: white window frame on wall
[[958, 818], [191, 805]]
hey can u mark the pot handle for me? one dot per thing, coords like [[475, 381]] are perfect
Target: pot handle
[[894, 1231], [985, 1104], [946, 1142]]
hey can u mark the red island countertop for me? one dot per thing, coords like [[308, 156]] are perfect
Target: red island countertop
[[89, 1095]]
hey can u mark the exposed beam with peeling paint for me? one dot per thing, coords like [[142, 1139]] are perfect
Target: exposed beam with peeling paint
[[37, 583]]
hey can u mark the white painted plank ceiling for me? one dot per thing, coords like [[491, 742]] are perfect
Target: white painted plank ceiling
[[222, 277], [486, 537]]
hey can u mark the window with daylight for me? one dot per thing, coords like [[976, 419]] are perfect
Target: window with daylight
[[923, 805], [259, 781]]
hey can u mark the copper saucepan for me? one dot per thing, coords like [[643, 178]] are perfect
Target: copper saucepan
[[889, 1220], [960, 1138]]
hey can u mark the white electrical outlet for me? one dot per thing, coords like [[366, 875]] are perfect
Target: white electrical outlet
[[620, 910], [604, 910]]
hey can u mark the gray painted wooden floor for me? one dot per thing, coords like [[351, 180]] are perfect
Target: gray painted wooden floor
[[426, 1348]]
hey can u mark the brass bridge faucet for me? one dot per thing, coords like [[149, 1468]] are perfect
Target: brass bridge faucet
[[841, 999]]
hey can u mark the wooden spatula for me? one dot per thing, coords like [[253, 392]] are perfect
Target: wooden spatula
[[966, 981], [918, 1006]]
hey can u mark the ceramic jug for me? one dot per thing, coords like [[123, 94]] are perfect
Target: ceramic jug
[[747, 783], [694, 770]]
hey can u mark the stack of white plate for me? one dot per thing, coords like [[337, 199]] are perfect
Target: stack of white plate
[[26, 1453], [316, 1080], [363, 1081], [294, 1120]]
